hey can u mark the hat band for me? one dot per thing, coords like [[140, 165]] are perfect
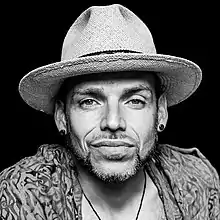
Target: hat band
[[109, 52]]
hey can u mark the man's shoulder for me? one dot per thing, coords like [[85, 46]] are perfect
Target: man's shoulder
[[35, 182], [193, 180], [190, 161], [46, 156]]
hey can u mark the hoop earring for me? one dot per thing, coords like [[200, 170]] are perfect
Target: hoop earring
[[62, 132], [161, 127]]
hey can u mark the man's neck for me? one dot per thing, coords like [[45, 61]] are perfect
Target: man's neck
[[115, 197]]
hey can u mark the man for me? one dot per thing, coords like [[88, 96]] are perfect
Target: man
[[109, 97]]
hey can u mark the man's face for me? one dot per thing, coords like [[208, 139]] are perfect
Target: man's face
[[112, 123]]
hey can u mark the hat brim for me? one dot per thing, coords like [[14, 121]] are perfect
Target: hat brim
[[180, 77]]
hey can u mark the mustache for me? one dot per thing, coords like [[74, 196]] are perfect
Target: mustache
[[113, 136]]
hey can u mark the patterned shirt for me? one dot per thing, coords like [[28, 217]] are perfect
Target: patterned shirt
[[45, 186]]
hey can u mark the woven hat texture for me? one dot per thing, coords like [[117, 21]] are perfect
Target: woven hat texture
[[109, 39]]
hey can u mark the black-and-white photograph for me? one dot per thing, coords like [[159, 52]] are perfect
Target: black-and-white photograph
[[109, 113]]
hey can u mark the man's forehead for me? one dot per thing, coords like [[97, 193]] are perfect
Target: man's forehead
[[125, 79]]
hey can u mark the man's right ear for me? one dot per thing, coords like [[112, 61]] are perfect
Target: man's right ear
[[59, 116]]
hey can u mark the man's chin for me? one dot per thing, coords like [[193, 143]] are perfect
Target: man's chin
[[115, 170], [114, 167]]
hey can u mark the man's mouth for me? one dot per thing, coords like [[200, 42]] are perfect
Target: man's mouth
[[112, 143], [114, 149]]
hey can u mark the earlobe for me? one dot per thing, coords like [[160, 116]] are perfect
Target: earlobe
[[162, 112], [59, 116]]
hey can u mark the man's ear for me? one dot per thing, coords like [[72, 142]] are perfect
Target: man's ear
[[162, 110], [60, 117]]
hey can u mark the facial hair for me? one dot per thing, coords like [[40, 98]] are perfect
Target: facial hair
[[84, 161]]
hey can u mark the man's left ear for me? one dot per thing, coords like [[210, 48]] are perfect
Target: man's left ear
[[162, 113]]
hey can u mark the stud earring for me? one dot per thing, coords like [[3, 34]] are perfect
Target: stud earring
[[161, 127], [62, 132]]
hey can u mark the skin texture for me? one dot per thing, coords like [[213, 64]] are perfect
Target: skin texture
[[112, 107]]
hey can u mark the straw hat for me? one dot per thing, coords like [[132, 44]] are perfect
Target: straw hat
[[109, 39]]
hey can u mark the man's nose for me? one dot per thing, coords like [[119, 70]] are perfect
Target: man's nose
[[113, 119]]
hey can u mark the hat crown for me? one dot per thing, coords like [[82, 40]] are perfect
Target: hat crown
[[107, 28]]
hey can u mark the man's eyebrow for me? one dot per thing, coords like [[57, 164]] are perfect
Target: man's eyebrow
[[135, 89], [89, 91], [99, 92]]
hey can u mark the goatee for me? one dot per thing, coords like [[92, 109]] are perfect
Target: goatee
[[85, 162]]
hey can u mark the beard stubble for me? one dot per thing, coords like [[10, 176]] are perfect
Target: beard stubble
[[86, 164]]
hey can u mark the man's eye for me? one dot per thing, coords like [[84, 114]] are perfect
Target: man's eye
[[136, 102], [88, 103]]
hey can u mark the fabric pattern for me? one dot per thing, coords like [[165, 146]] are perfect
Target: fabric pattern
[[45, 186]]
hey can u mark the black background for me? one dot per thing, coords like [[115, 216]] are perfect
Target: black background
[[33, 34]]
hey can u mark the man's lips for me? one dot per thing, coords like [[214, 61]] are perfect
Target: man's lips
[[114, 149], [112, 143]]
